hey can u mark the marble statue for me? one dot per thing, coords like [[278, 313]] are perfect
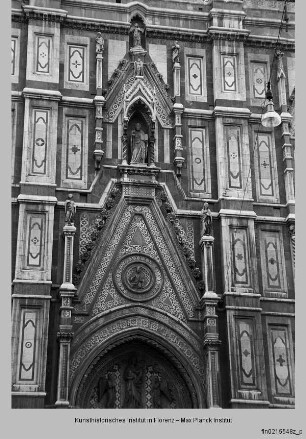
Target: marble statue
[[139, 67], [137, 31], [139, 143], [99, 43], [206, 220], [176, 53], [70, 210]]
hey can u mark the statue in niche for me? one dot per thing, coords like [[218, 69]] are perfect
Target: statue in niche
[[176, 53], [137, 31], [139, 144], [161, 393], [133, 377], [206, 220], [107, 391], [70, 210], [99, 43], [138, 67]]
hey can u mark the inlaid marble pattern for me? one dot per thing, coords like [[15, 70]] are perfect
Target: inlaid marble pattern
[[28, 345], [40, 141], [43, 54], [282, 377], [35, 240], [233, 136], [76, 63]]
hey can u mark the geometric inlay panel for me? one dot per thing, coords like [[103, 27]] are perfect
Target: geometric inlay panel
[[240, 257], [27, 357], [197, 139], [40, 142], [281, 361], [195, 76], [246, 353], [76, 63], [138, 277], [259, 71], [265, 164], [36, 223], [229, 73], [233, 156], [43, 54], [74, 157]]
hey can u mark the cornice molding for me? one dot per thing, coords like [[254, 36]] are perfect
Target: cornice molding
[[68, 101], [232, 112], [36, 93]]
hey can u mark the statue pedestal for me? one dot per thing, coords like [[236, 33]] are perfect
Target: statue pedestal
[[138, 52], [206, 244], [138, 172]]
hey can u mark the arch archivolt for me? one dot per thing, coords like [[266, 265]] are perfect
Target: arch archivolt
[[100, 335]]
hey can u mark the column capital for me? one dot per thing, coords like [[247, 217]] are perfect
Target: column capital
[[69, 229], [206, 240]]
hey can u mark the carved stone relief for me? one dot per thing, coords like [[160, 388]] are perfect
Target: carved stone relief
[[135, 376]]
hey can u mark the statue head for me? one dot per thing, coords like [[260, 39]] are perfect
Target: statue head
[[138, 126], [70, 196], [205, 206]]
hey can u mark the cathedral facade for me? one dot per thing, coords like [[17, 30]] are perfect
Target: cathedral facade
[[153, 239]]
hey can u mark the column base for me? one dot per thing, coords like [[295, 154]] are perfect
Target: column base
[[62, 404], [249, 404], [28, 400]]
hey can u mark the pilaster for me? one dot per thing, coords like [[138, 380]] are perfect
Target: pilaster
[[288, 161], [66, 293], [99, 102], [211, 336], [178, 139]]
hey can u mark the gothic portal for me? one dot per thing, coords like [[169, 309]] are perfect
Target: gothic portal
[[135, 375]]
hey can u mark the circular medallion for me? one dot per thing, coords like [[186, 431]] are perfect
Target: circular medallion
[[138, 277]]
